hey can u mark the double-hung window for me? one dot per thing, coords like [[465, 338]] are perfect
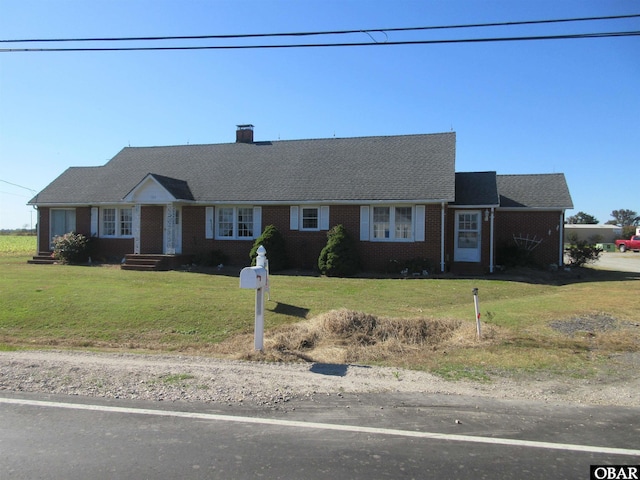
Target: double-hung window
[[117, 222], [392, 223], [310, 218], [235, 222]]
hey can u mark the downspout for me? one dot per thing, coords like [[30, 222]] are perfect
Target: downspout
[[442, 228], [491, 241], [35, 207], [561, 240]]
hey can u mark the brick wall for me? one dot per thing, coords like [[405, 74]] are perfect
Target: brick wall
[[43, 229], [83, 225], [111, 250], [303, 247], [542, 225]]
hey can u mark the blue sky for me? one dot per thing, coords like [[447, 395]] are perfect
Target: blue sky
[[570, 106]]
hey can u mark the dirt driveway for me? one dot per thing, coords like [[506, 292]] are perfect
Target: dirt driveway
[[620, 262]]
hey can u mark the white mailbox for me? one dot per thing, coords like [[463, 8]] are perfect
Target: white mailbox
[[253, 277]]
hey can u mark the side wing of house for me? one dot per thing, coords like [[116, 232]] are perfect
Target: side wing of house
[[530, 218]]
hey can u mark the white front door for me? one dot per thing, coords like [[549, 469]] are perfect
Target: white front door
[[467, 236]]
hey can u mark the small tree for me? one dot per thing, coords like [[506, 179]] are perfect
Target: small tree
[[71, 248], [582, 252], [273, 242], [624, 217], [582, 218], [339, 257]]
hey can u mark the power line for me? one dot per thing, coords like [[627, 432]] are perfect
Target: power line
[[350, 44], [19, 186], [329, 32]]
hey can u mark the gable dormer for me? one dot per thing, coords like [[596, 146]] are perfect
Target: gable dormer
[[155, 188]]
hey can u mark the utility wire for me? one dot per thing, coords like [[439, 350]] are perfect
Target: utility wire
[[311, 45], [19, 186], [334, 32]]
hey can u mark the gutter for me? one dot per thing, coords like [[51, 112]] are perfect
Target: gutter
[[442, 229]]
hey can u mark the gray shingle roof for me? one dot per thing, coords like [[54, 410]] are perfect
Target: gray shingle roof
[[534, 191], [476, 188], [393, 168]]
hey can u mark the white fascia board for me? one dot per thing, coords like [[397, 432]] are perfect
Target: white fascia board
[[473, 207], [529, 209]]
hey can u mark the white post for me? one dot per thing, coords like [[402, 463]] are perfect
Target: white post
[[259, 323], [477, 307], [261, 261]]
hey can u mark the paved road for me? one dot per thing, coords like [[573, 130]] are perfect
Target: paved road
[[339, 437], [620, 262]]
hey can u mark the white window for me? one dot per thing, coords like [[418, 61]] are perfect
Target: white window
[[309, 218], [237, 222], [126, 222], [109, 222], [392, 223], [116, 222]]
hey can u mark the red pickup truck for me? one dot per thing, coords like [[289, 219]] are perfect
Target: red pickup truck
[[632, 244]]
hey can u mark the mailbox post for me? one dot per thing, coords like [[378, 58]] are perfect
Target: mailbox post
[[256, 278]]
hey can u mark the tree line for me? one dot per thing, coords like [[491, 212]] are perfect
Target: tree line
[[625, 218]]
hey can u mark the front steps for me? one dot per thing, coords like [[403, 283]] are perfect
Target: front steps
[[42, 258], [153, 262]]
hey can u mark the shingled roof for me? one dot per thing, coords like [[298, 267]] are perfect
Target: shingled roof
[[388, 168], [534, 191], [476, 189]]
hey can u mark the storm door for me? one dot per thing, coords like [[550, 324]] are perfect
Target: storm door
[[467, 237]]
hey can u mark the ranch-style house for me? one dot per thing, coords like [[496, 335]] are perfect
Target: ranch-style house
[[399, 197]]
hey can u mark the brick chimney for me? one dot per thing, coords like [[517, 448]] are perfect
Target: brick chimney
[[244, 133]]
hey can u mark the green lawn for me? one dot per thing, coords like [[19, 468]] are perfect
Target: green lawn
[[105, 307]]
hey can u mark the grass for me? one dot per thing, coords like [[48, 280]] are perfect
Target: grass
[[424, 324]]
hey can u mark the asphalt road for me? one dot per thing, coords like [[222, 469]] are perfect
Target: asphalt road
[[339, 437], [619, 262]]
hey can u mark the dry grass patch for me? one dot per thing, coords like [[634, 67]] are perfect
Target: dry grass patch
[[347, 336]]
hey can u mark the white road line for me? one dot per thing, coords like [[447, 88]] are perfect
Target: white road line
[[326, 426]]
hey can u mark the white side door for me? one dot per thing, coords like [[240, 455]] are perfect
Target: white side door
[[467, 236]]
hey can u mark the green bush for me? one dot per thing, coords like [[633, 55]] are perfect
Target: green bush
[[339, 257], [512, 255], [211, 259], [417, 265], [71, 248], [582, 252], [273, 242]]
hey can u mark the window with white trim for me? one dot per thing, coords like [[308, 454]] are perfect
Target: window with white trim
[[310, 218], [235, 222], [116, 222], [392, 223]]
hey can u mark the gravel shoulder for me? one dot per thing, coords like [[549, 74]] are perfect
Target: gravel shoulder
[[202, 379]]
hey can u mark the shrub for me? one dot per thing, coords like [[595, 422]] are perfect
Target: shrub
[[581, 253], [512, 255], [71, 248], [273, 242], [211, 259], [339, 257]]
